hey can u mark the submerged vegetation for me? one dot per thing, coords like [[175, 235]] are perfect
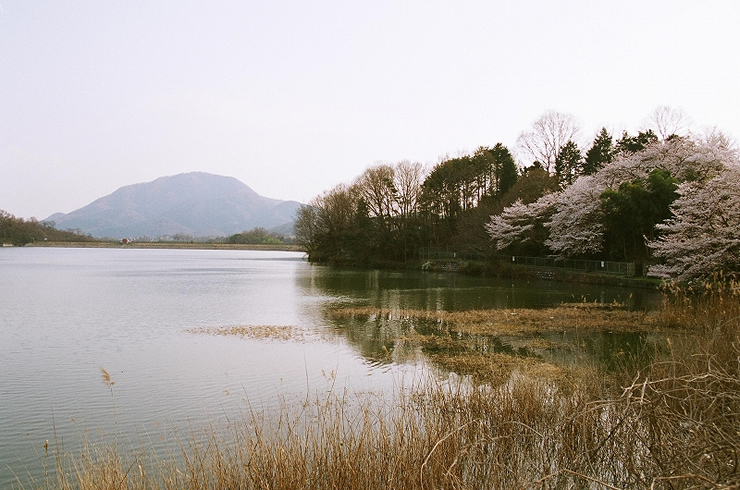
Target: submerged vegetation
[[505, 321], [489, 345], [261, 332], [669, 422]]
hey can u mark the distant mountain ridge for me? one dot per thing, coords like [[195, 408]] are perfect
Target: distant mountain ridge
[[197, 204]]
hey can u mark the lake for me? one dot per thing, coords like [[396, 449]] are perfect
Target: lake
[[66, 313]]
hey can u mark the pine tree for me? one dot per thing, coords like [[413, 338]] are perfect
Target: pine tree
[[568, 164], [600, 154]]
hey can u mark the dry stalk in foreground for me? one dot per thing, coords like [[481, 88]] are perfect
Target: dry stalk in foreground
[[674, 425]]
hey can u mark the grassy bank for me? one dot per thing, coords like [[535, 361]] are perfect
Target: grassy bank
[[670, 423]]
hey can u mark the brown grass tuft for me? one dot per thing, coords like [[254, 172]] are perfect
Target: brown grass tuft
[[260, 332]]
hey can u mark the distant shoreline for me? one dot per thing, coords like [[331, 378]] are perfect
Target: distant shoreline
[[523, 272], [170, 245]]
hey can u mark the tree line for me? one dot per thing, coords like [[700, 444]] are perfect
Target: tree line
[[19, 232], [632, 198], [391, 210], [259, 236]]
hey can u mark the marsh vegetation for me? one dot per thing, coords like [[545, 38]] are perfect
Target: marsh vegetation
[[668, 419]]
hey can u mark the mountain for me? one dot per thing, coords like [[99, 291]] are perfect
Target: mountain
[[196, 204]]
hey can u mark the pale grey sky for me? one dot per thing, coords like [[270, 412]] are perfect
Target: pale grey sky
[[294, 97]]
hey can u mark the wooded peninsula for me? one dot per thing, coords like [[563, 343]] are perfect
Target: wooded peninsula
[[664, 199]]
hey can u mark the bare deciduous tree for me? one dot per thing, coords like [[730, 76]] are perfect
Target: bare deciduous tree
[[376, 187], [548, 134], [408, 178], [667, 121]]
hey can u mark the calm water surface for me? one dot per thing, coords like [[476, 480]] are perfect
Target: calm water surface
[[65, 313]]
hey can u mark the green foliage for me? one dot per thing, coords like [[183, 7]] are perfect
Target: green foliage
[[568, 164], [471, 236], [457, 189], [600, 154], [19, 232], [505, 168], [632, 211], [534, 183], [633, 144], [390, 211], [255, 236]]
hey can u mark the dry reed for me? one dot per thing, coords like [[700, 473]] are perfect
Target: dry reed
[[261, 332], [504, 321], [674, 424]]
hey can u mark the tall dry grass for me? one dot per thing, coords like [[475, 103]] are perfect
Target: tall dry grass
[[674, 423]]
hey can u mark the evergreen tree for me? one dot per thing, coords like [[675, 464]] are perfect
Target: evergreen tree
[[633, 144], [568, 164], [632, 211], [600, 153], [506, 169]]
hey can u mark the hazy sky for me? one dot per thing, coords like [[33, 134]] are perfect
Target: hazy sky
[[294, 97]]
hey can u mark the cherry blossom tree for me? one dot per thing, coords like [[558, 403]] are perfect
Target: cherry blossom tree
[[521, 223], [703, 237], [573, 219], [576, 225]]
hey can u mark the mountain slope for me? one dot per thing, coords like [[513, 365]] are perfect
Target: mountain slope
[[197, 204]]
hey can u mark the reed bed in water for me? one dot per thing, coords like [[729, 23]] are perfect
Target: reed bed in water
[[516, 321], [672, 424], [260, 332]]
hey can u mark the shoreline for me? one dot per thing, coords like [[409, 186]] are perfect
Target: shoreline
[[169, 245], [468, 268], [518, 272]]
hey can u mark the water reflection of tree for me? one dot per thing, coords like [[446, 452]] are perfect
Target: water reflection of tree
[[447, 292], [379, 340], [392, 336], [383, 339]]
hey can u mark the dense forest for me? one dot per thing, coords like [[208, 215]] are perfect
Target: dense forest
[[661, 197], [18, 232]]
